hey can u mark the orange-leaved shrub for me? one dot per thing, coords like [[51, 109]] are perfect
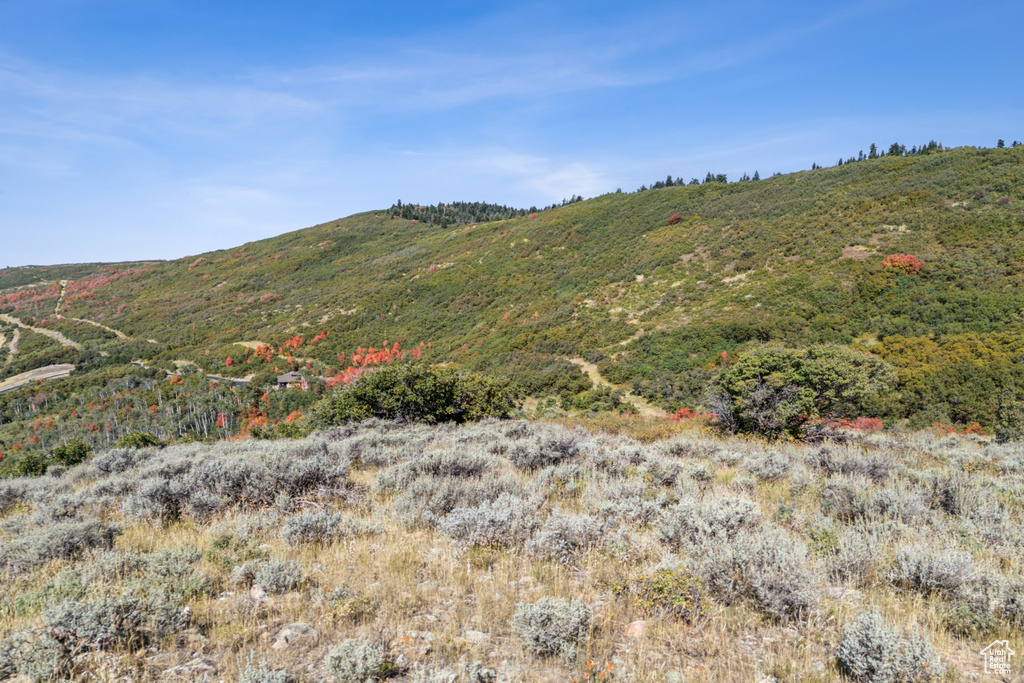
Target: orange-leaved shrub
[[906, 264]]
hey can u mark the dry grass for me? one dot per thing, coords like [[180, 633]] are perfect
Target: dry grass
[[643, 428], [440, 607]]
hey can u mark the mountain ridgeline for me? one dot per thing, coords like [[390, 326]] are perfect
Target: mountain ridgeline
[[916, 259]]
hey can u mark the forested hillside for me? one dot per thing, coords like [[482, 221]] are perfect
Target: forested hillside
[[915, 258]]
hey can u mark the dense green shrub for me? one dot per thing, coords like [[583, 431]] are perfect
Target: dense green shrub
[[139, 440], [414, 393], [32, 464], [777, 391], [71, 453]]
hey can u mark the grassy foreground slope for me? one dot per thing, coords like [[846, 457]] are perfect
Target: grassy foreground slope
[[516, 551]]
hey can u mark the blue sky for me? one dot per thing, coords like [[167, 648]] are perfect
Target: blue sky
[[134, 129]]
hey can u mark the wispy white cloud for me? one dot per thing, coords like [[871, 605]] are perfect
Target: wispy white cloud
[[464, 113]]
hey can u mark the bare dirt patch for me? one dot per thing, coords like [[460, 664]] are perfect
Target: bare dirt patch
[[741, 277], [857, 253]]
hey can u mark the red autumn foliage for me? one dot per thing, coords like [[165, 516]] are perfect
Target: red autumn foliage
[[264, 351], [688, 414], [292, 344], [364, 360], [674, 219], [229, 361], [28, 299], [903, 263], [941, 428], [253, 417]]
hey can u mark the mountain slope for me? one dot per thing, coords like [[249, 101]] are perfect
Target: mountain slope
[[653, 286]]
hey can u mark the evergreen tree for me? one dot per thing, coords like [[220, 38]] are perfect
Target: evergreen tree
[[873, 152], [1000, 143]]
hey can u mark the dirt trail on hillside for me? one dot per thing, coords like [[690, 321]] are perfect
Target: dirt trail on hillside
[[38, 330], [60, 299], [14, 346], [179, 364], [625, 342], [646, 409], [60, 302], [117, 333]]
